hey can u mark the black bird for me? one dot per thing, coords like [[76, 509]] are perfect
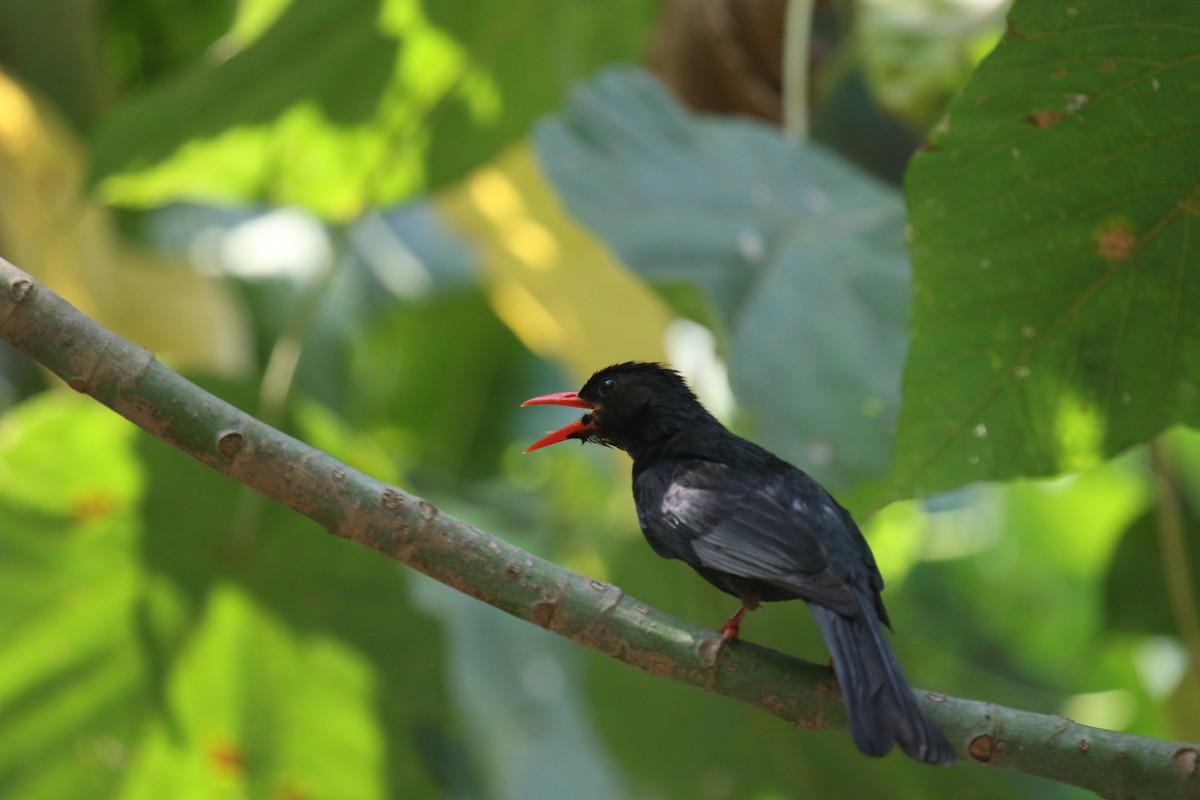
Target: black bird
[[758, 528]]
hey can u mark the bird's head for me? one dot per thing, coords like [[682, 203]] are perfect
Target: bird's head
[[629, 405]]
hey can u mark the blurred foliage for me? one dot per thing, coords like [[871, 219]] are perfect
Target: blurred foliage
[[70, 241], [170, 634], [917, 53], [368, 103]]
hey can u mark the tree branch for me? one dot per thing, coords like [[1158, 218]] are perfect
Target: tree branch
[[354, 506]]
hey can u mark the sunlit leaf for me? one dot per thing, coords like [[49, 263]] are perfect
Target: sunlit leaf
[[329, 54], [1052, 219], [319, 603], [212, 647], [251, 709], [337, 106], [70, 683]]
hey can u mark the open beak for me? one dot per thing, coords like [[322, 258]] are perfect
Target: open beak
[[571, 431]]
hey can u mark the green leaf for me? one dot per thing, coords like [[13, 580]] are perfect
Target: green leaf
[[452, 379], [798, 253], [253, 710], [70, 678], [328, 55], [342, 105], [319, 606], [1135, 594], [1052, 217], [531, 53], [47, 47], [1156, 563], [167, 633], [68, 457]]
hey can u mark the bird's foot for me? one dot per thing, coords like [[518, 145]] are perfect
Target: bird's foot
[[732, 626], [711, 649]]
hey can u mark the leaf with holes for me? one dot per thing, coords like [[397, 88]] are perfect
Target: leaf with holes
[[1052, 215]]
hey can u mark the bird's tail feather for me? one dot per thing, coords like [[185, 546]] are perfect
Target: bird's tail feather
[[880, 704]]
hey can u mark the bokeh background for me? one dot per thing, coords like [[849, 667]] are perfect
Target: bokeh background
[[381, 224]]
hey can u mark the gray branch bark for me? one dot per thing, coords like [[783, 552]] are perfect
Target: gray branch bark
[[597, 615]]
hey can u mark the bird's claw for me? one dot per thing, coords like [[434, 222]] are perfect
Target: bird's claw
[[711, 649]]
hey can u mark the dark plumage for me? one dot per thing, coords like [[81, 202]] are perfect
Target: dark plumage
[[758, 528]]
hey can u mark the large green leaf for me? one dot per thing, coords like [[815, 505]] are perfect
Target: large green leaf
[[315, 605], [798, 253], [341, 105], [252, 710], [1052, 222], [199, 643], [330, 55], [70, 690]]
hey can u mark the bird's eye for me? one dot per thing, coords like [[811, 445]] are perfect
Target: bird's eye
[[606, 387]]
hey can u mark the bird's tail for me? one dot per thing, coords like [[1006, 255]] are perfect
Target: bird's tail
[[879, 702]]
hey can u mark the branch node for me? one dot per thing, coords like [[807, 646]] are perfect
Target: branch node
[[20, 288], [1185, 760], [613, 595], [710, 649], [543, 611], [984, 748], [129, 364], [391, 500], [230, 443]]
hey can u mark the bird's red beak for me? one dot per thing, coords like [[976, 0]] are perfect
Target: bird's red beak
[[567, 431]]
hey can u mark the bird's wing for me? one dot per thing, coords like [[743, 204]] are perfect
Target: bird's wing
[[775, 528]]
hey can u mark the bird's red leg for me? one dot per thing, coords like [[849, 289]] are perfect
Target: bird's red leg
[[729, 630]]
